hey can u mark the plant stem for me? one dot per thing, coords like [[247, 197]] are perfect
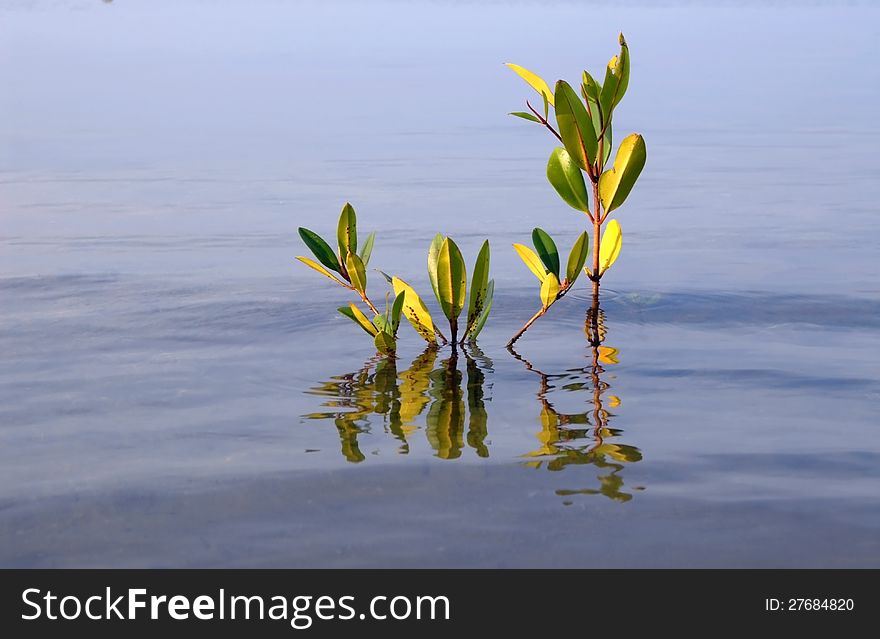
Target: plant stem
[[525, 327], [597, 231], [453, 329], [369, 303], [544, 121]]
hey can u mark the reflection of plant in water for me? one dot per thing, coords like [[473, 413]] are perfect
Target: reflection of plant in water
[[582, 438], [356, 399]]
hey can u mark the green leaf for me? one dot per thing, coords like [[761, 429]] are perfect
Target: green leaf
[[320, 248], [367, 248], [616, 80], [547, 251], [396, 309], [415, 311], [525, 116], [591, 91], [346, 233], [479, 282], [382, 324], [385, 343], [577, 257], [357, 272], [567, 179], [533, 80], [590, 88], [433, 256], [609, 248], [615, 185], [549, 290], [386, 276], [484, 315], [534, 262], [451, 279], [606, 144], [353, 313], [575, 126], [320, 269]]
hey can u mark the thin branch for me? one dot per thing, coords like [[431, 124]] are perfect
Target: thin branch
[[520, 332], [544, 121]]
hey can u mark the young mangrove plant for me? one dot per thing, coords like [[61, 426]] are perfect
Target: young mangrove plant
[[448, 275], [350, 268], [584, 127]]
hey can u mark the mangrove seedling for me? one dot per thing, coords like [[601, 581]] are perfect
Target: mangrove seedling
[[583, 126], [448, 275], [350, 268], [544, 263]]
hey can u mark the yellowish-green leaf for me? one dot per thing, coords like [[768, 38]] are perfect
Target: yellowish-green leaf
[[549, 290], [433, 256], [479, 283], [525, 116], [531, 259], [385, 343], [533, 80], [346, 232], [616, 79], [396, 310], [357, 272], [609, 248], [451, 279], [354, 314], [320, 269], [320, 248], [484, 314], [414, 310], [613, 401], [567, 179], [590, 88], [616, 183], [577, 257], [382, 324], [367, 249], [575, 126]]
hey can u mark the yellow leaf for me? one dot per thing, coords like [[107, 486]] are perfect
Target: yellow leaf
[[535, 81], [414, 310], [608, 355], [361, 319], [615, 185], [532, 261], [610, 246], [549, 290], [320, 269], [613, 401]]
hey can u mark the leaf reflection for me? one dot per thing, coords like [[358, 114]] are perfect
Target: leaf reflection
[[446, 396]]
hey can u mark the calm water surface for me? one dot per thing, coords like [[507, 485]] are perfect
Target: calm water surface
[[177, 391]]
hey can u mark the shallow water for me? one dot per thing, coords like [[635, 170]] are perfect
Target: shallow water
[[178, 392]]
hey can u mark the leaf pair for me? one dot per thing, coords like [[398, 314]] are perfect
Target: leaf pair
[[347, 263], [545, 264], [448, 274]]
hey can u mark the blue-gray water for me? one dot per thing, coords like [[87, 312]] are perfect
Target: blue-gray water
[[177, 391]]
